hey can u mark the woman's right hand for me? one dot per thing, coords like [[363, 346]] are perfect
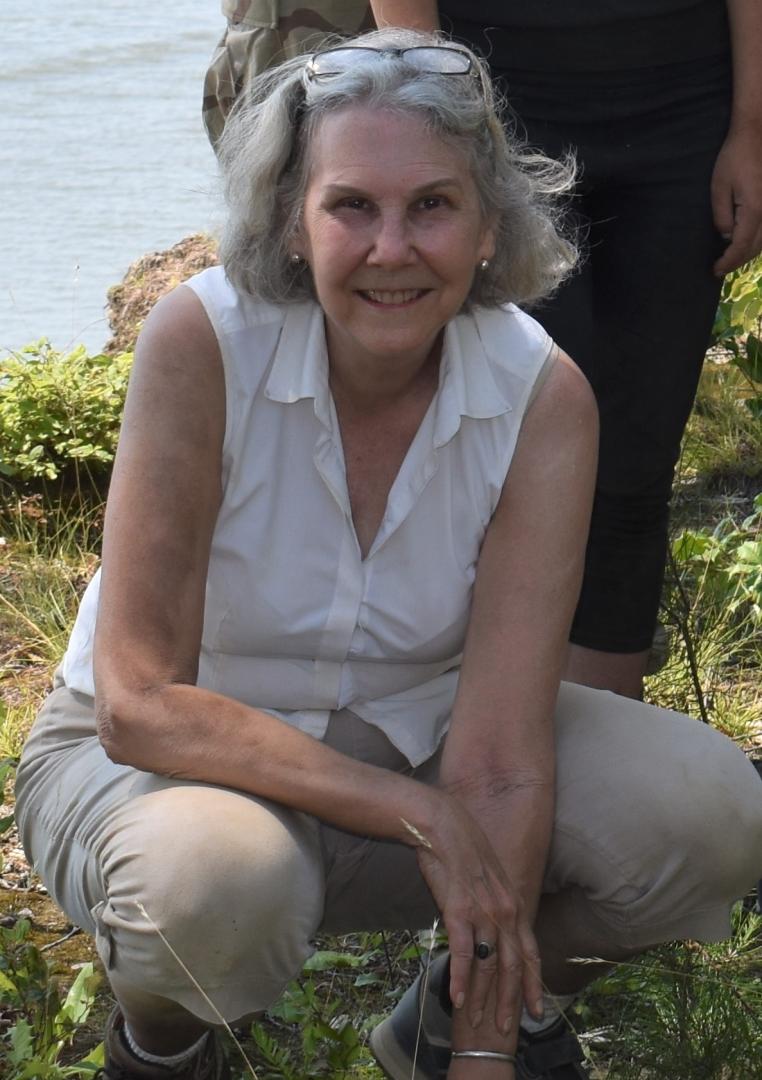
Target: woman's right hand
[[478, 903]]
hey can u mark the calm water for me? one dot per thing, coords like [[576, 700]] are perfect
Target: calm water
[[104, 156]]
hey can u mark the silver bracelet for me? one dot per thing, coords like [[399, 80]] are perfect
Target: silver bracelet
[[493, 1055]]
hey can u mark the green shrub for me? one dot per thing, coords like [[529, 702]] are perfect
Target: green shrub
[[726, 564], [738, 326], [60, 412], [684, 1010], [40, 1024]]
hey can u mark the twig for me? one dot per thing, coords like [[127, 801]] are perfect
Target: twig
[[52, 944], [387, 956], [682, 622]]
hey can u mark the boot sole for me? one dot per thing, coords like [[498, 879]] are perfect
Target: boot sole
[[393, 1060]]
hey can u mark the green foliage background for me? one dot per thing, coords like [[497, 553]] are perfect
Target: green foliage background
[[60, 412]]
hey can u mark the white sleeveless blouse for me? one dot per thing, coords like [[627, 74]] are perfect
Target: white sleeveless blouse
[[296, 621]]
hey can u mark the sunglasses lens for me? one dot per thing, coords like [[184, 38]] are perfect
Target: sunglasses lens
[[438, 61], [337, 61]]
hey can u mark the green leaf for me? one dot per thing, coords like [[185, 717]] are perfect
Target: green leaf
[[79, 1000], [368, 978], [7, 987], [22, 1042], [89, 1065], [750, 360], [690, 545], [327, 959], [20, 930], [749, 552]]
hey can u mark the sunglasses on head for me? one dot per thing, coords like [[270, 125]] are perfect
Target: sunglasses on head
[[428, 59]]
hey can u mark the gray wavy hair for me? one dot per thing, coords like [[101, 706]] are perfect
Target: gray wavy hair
[[265, 159]]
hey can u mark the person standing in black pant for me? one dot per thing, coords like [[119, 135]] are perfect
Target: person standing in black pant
[[661, 102]]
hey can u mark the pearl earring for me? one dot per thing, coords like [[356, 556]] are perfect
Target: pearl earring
[[296, 259], [484, 264]]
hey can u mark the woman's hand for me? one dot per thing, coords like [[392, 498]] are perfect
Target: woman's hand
[[479, 904], [737, 197]]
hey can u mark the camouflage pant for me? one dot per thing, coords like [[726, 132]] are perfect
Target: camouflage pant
[[262, 33]]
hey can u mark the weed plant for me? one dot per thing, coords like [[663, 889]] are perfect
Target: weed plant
[[682, 1011], [713, 607], [47, 556], [722, 454], [43, 1024]]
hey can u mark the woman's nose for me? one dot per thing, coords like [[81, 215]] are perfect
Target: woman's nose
[[393, 242]]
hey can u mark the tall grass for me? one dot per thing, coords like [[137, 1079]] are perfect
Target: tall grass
[[683, 1012], [47, 555]]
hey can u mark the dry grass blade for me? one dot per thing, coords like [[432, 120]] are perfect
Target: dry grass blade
[[196, 984], [417, 834], [34, 627], [424, 988]]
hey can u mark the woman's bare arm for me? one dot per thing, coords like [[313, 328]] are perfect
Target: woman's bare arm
[[416, 14], [499, 753]]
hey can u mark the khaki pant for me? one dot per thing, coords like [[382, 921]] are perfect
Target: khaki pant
[[658, 829]]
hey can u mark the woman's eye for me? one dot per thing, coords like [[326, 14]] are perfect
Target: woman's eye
[[432, 202], [354, 202]]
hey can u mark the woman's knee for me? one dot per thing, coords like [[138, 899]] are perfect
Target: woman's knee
[[228, 887], [658, 816]]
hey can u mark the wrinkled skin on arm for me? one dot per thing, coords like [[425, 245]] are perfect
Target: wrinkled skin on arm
[[498, 760]]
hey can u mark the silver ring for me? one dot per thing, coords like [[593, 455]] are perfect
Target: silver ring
[[483, 950]]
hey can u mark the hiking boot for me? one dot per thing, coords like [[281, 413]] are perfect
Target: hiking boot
[[551, 1054], [423, 1015], [122, 1064], [393, 1041]]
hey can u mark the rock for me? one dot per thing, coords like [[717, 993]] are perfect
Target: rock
[[147, 280]]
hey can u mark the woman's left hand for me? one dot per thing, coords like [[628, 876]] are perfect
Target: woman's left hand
[[737, 197], [480, 904]]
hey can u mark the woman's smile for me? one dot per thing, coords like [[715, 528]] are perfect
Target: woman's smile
[[392, 298]]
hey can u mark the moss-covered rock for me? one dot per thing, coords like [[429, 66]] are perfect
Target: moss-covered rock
[[148, 279]]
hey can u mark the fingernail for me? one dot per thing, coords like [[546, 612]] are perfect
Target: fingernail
[[539, 1008], [476, 1019], [507, 1025], [459, 1000]]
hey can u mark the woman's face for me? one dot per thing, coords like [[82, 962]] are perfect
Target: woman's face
[[393, 232]]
